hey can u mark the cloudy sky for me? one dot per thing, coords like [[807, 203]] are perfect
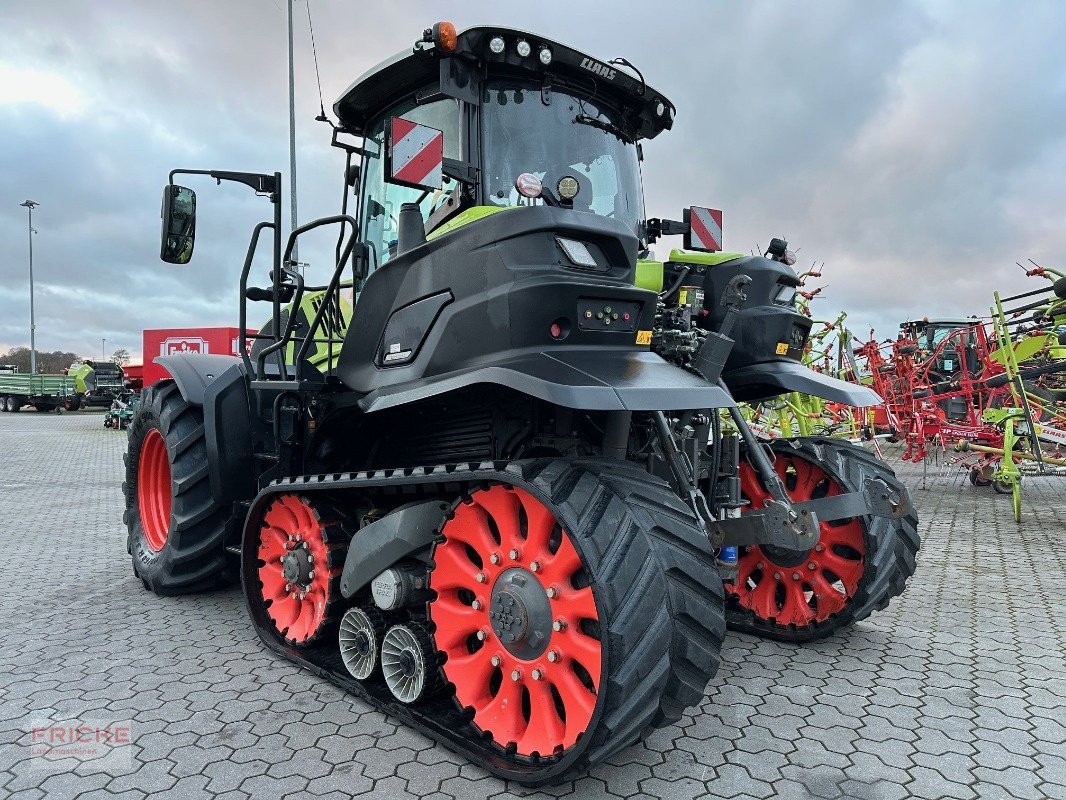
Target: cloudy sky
[[917, 148]]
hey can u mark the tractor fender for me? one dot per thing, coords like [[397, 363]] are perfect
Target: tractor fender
[[194, 371], [772, 378], [218, 385], [377, 546], [594, 379]]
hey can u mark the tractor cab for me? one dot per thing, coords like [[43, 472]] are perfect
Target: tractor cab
[[959, 340], [523, 121], [930, 333]]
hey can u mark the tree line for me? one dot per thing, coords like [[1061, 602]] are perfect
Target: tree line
[[54, 362]]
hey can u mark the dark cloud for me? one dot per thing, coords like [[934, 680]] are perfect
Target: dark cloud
[[917, 148]]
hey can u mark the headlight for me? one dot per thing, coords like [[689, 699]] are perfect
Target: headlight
[[785, 295], [577, 252]]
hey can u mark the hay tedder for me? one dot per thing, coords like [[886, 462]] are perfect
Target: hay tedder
[[495, 498], [992, 390]]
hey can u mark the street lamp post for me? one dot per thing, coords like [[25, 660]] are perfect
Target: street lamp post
[[30, 205], [103, 349], [292, 136]]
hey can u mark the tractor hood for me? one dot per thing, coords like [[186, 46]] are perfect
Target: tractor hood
[[460, 72]]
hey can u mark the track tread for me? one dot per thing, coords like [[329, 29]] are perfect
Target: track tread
[[661, 601]]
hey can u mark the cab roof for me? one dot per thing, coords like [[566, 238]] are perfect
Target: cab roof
[[458, 73]]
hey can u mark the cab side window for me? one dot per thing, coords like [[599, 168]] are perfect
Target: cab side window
[[381, 200]]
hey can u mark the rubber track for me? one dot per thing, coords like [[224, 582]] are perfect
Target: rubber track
[[193, 558], [660, 599], [891, 545]]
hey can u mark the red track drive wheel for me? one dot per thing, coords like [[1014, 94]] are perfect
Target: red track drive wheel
[[300, 559], [517, 620], [154, 490], [800, 589]]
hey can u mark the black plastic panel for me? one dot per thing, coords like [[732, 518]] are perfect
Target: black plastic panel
[[595, 314], [407, 329]]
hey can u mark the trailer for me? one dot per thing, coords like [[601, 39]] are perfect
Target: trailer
[[43, 392]]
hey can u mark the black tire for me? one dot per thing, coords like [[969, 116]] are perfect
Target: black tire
[[192, 558], [3, 403], [14, 404], [891, 546], [71, 403], [659, 598]]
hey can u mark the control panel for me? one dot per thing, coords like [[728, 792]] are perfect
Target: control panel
[[607, 315]]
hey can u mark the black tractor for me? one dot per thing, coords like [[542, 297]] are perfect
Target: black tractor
[[509, 497]]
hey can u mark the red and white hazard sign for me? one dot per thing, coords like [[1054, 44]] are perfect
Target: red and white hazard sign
[[705, 228], [416, 154]]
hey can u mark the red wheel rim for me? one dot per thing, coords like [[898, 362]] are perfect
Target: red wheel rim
[[538, 703], [153, 490], [800, 591], [296, 603]]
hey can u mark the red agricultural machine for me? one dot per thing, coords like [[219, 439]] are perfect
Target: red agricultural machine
[[988, 388]]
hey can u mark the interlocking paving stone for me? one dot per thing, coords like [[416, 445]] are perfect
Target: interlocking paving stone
[[954, 691]]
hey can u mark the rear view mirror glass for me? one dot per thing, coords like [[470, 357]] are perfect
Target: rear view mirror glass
[[179, 224], [414, 154]]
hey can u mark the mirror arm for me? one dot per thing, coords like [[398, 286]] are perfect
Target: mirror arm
[[346, 146], [665, 227], [462, 171], [265, 184]]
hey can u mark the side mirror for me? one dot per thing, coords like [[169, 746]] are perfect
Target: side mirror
[[179, 224], [704, 229], [414, 154]]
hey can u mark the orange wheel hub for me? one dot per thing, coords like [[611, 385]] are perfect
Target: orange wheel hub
[[795, 588], [153, 489], [294, 568], [517, 620]]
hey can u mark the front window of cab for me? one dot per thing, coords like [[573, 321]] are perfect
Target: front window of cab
[[381, 200], [570, 135]]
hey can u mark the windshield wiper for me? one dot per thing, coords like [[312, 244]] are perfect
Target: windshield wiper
[[610, 127]]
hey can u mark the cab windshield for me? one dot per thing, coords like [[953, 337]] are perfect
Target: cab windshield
[[568, 136]]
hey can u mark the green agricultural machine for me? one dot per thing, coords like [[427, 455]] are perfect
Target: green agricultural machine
[[495, 498], [85, 383]]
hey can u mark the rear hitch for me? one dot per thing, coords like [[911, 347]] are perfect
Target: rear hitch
[[876, 499], [779, 524]]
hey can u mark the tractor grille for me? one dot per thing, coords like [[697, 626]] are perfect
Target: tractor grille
[[441, 436]]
